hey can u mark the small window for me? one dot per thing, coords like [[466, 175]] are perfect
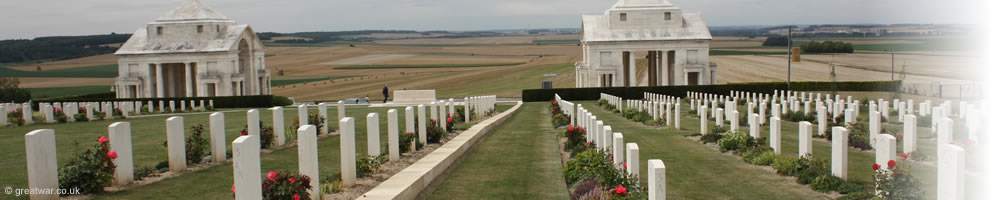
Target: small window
[[201, 28], [622, 17], [666, 16], [159, 30], [217, 28]]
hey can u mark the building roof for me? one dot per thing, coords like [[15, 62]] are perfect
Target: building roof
[[191, 10], [596, 28], [139, 44]]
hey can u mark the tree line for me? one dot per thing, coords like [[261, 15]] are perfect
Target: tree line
[[58, 48]]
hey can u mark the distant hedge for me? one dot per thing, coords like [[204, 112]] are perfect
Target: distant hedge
[[258, 101], [16, 95], [681, 91]]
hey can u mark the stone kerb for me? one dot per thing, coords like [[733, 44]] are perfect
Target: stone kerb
[[412, 181]]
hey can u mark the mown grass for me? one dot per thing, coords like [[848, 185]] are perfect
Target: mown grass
[[99, 71], [426, 66], [519, 160], [733, 53], [291, 81]]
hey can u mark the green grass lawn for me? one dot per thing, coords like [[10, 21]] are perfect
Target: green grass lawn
[[100, 71], [215, 182], [426, 66], [695, 171], [519, 160], [68, 91], [292, 80], [516, 80]]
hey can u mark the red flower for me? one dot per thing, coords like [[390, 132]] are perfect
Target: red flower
[[588, 144], [611, 155], [904, 156], [892, 163], [271, 175], [621, 190], [899, 136], [553, 102], [112, 154], [875, 166], [291, 180], [409, 134], [296, 196], [449, 120], [102, 139], [570, 128], [233, 188], [624, 164]]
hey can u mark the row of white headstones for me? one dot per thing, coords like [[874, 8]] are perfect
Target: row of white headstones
[[42, 164], [72, 108], [951, 158], [622, 154]]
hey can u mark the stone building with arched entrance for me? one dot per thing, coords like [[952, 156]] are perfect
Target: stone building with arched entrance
[[192, 51], [672, 46]]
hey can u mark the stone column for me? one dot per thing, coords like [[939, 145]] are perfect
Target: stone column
[[246, 167], [278, 121], [805, 138], [775, 136], [839, 157], [40, 150], [347, 159], [217, 134], [657, 179], [175, 144], [188, 90], [632, 161], [120, 135], [631, 70], [422, 124], [324, 126], [309, 158], [160, 87], [393, 135]]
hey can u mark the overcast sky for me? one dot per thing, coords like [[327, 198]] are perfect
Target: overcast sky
[[35, 18]]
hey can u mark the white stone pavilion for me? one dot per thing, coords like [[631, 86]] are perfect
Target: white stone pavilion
[[674, 45], [192, 51]]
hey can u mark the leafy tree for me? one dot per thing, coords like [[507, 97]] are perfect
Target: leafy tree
[[776, 40]]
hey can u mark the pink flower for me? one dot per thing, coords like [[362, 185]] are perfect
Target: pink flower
[[611, 155], [112, 155], [102, 139], [291, 180], [449, 120], [621, 190], [271, 175], [904, 156], [296, 196], [233, 188], [892, 163]]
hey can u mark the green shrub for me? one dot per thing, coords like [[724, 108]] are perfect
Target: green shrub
[[857, 196], [711, 137], [434, 133], [585, 164], [405, 140], [848, 188], [559, 120], [196, 145], [285, 185], [785, 165], [142, 172], [826, 183], [368, 165], [90, 170], [827, 47], [799, 116], [765, 158], [575, 137], [318, 121], [858, 136]]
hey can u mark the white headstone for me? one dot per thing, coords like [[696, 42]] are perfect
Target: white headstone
[[775, 136], [217, 135], [944, 133], [422, 124], [951, 172], [442, 115], [754, 125], [253, 122], [172, 108], [309, 158], [704, 120], [805, 138], [347, 159], [619, 150], [40, 150], [303, 112], [340, 110], [874, 126], [434, 111], [677, 116], [393, 120], [325, 119], [657, 179], [821, 119], [604, 138], [120, 136], [374, 148], [885, 150], [410, 122], [278, 121], [839, 157], [632, 160], [246, 167], [175, 144], [909, 133]]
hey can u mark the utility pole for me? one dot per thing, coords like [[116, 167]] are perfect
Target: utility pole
[[789, 81]]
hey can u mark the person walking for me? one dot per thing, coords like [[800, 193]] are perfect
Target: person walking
[[385, 93]]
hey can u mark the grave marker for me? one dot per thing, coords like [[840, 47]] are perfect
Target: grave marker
[[619, 150], [632, 161], [347, 159], [120, 136], [175, 144], [775, 137], [217, 135], [309, 158], [43, 174], [373, 135], [246, 167], [839, 157], [422, 124], [805, 138], [393, 118]]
